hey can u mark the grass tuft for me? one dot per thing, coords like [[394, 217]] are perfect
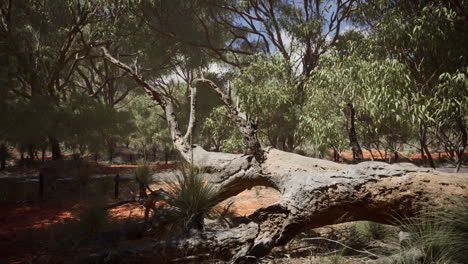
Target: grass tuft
[[442, 234], [92, 219], [376, 231], [143, 173], [195, 198]]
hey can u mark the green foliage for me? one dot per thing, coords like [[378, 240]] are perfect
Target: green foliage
[[193, 196], [270, 83], [377, 231], [405, 75], [429, 39], [93, 126], [442, 233], [42, 54], [150, 129], [224, 136], [378, 91], [143, 173]]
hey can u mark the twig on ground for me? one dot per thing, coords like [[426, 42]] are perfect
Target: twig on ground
[[343, 245]]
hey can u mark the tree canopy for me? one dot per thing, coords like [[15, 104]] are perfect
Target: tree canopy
[[318, 76]]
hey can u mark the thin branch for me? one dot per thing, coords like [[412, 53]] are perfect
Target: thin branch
[[341, 244], [193, 119]]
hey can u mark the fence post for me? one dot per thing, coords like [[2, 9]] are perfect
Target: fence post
[[116, 186], [41, 186]]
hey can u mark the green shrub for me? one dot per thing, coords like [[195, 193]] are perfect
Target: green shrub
[[143, 173], [376, 231], [194, 197], [441, 233], [356, 236]]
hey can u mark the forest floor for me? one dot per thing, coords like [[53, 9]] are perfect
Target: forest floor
[[48, 232], [30, 230]]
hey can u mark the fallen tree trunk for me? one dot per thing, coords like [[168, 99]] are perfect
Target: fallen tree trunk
[[373, 191], [314, 192]]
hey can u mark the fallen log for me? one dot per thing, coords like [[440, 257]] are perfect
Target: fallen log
[[372, 191]]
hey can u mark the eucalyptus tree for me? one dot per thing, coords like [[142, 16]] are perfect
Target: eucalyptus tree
[[225, 137], [376, 90], [267, 84], [451, 116], [429, 37], [131, 33], [291, 37], [91, 125], [151, 133], [240, 33], [364, 95], [41, 42]]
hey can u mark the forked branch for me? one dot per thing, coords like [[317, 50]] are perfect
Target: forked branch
[[155, 95], [243, 121]]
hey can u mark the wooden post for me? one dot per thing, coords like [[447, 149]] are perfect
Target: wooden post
[[143, 194], [116, 186], [41, 186]]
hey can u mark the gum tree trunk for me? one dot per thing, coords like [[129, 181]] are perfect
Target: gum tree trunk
[[353, 141]]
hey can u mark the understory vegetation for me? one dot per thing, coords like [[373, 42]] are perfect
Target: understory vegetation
[[437, 237]]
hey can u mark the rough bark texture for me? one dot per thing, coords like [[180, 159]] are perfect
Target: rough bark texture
[[314, 192]]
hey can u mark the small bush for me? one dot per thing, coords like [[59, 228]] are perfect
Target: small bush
[[356, 237], [376, 231], [441, 233], [92, 219], [143, 173], [194, 197]]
